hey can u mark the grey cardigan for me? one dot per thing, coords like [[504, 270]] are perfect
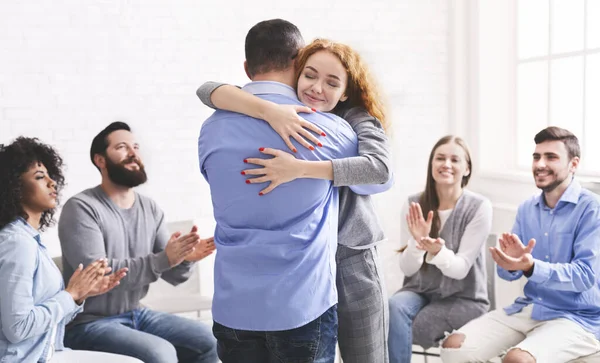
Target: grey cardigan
[[358, 225]]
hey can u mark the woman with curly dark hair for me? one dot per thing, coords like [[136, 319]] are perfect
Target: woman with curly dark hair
[[34, 304]]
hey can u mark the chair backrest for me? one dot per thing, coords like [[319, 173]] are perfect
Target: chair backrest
[[490, 267], [58, 261]]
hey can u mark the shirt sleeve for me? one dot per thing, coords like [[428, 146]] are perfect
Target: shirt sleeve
[[21, 316], [181, 272], [203, 92], [457, 265], [82, 241], [580, 274], [373, 163], [411, 259]]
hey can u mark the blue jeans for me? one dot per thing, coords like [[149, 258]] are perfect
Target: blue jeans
[[312, 343], [151, 336], [404, 306]]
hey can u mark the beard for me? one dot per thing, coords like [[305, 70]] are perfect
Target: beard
[[558, 180], [120, 175]]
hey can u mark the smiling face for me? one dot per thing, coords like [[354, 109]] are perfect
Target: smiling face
[[122, 160], [322, 82], [449, 164], [39, 190], [552, 166]]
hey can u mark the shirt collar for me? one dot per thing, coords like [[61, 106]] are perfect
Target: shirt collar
[[270, 87], [570, 195], [21, 222]]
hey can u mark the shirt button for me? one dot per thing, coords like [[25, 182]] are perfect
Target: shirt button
[[551, 212], [539, 298], [546, 234], [547, 257]]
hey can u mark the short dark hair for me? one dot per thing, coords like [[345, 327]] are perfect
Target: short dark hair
[[271, 45], [554, 133], [100, 142], [15, 160]]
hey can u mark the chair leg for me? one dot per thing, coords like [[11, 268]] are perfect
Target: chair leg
[[426, 359]]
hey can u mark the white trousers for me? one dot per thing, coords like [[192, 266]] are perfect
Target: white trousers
[[495, 333], [85, 356]]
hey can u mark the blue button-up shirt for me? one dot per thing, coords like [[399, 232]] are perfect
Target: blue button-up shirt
[[32, 299], [275, 261], [566, 275]]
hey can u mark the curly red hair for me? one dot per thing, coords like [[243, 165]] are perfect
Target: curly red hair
[[361, 89]]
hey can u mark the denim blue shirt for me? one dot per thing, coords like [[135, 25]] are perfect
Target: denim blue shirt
[[32, 298], [565, 280], [275, 261]]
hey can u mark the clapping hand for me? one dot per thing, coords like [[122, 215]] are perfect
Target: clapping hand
[[512, 254], [180, 246], [108, 282], [418, 226], [204, 248], [431, 245], [84, 280]]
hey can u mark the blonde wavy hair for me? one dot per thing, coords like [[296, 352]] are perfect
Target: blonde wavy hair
[[361, 90]]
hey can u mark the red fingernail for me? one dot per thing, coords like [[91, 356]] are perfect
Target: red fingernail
[[246, 161], [320, 145], [311, 148], [323, 134], [248, 181], [243, 173], [261, 149], [261, 193], [313, 109], [294, 150]]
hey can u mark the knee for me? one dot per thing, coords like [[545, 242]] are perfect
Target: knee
[[211, 354], [160, 352], [454, 341], [397, 308], [517, 355]]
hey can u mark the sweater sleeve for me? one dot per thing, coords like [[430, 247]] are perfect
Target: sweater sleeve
[[457, 265], [373, 163], [203, 92], [411, 259]]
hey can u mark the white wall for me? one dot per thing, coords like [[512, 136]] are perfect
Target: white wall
[[70, 67]]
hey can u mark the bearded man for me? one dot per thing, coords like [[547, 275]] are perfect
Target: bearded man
[[113, 221]]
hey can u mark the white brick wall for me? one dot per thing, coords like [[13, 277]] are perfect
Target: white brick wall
[[70, 67]]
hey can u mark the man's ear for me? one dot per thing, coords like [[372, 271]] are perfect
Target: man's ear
[[574, 163], [100, 161], [246, 70]]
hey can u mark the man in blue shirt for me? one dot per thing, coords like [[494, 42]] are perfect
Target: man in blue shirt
[[275, 293], [558, 319]]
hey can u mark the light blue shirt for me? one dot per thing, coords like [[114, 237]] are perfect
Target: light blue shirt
[[275, 261], [566, 275], [32, 298]]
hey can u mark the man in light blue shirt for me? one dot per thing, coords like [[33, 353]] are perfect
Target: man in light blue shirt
[[275, 293], [558, 319]]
